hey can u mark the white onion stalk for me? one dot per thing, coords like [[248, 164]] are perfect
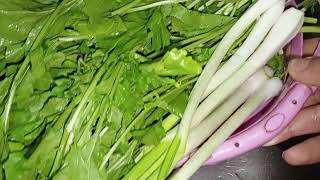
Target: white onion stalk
[[270, 89], [281, 33], [232, 35], [202, 131], [232, 103], [259, 32]]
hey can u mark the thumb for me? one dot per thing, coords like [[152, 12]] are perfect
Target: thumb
[[305, 70]]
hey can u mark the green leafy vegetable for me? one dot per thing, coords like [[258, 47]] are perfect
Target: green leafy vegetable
[[90, 88], [175, 62]]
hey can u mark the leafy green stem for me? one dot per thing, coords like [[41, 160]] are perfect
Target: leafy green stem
[[310, 20], [147, 161], [310, 29], [156, 4], [125, 8], [123, 135]]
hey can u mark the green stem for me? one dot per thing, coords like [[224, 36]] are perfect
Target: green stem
[[224, 8], [176, 38], [123, 159], [169, 122], [154, 169], [68, 135], [74, 38], [242, 3], [195, 2], [88, 129], [156, 4], [71, 50], [115, 82], [171, 157], [74, 120], [193, 39], [235, 7], [310, 20], [207, 4], [210, 36], [310, 29], [178, 89], [123, 135], [156, 93], [125, 8], [147, 161]]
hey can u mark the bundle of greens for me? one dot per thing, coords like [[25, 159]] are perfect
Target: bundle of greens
[[95, 89]]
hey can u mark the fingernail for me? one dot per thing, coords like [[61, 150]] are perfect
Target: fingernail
[[271, 143], [299, 64], [284, 156]]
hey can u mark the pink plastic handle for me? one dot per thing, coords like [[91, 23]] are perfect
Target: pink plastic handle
[[266, 129]]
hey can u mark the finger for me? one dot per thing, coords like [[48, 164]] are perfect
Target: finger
[[310, 46], [313, 100], [306, 122], [305, 70], [305, 153]]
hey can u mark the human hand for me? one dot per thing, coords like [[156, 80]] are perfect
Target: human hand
[[307, 71]]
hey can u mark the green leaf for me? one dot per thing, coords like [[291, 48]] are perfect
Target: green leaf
[[14, 53], [53, 106], [277, 63], [151, 135], [96, 9], [61, 72], [156, 115], [41, 78], [24, 126], [175, 62], [15, 167], [201, 54], [63, 85], [11, 69], [2, 64], [15, 146], [78, 166], [190, 23], [16, 24], [42, 158], [28, 4], [24, 90], [160, 35], [4, 88], [179, 104], [37, 102], [54, 60], [106, 27]]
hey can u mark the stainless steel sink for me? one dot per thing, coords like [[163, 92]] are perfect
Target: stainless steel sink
[[260, 164]]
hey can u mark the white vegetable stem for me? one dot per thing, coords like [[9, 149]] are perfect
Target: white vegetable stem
[[281, 33], [270, 89], [252, 42], [251, 85], [233, 34], [202, 131]]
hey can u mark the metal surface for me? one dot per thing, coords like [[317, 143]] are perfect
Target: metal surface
[[260, 164]]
